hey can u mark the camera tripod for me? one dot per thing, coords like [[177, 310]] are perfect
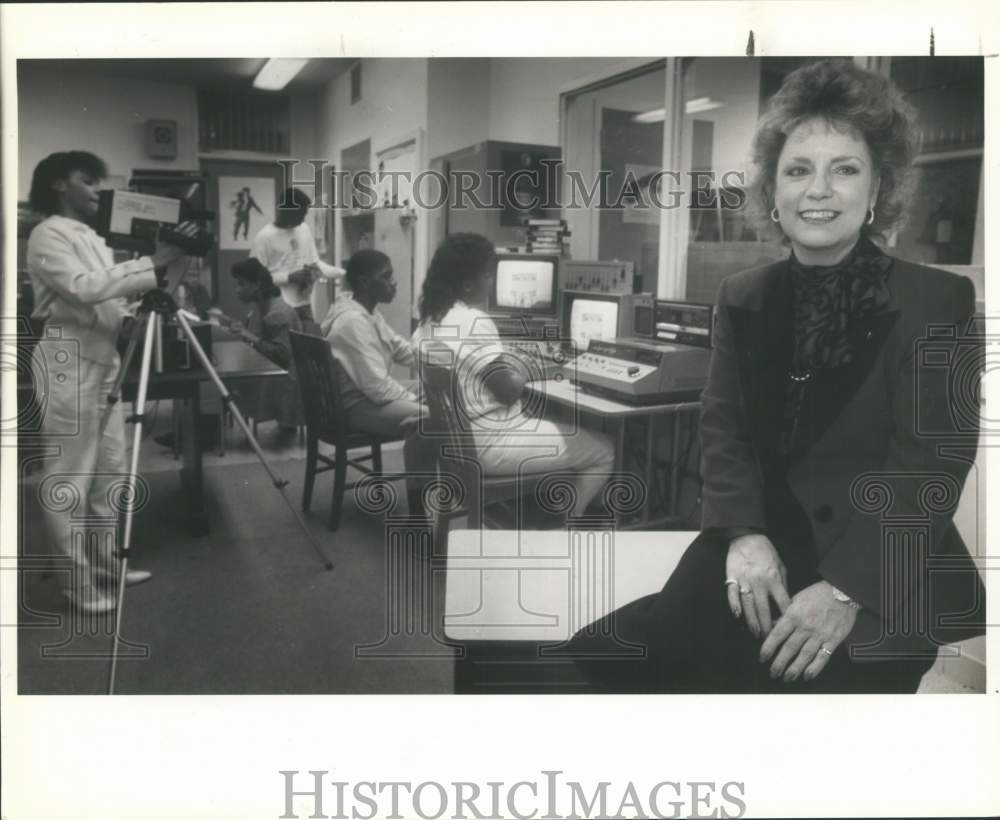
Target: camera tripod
[[158, 303]]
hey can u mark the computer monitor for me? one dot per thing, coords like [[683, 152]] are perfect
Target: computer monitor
[[525, 284], [587, 316]]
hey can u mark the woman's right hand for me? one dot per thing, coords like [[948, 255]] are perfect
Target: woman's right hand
[[165, 253], [224, 321], [760, 575]]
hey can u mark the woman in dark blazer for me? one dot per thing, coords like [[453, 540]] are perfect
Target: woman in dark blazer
[[838, 425]]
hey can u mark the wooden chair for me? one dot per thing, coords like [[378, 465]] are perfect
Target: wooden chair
[[326, 421], [458, 456]]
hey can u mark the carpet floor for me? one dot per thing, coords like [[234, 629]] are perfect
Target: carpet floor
[[248, 608]]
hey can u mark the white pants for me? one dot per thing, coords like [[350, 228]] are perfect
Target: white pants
[[85, 479], [551, 447]]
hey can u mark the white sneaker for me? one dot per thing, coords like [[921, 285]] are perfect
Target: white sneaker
[[137, 576], [90, 603]]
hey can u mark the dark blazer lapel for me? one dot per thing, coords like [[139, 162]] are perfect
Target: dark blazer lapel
[[830, 390], [762, 335]]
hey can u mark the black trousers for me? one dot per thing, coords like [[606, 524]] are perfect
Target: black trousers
[[691, 643]]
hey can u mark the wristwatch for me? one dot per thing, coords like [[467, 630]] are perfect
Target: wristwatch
[[844, 598]]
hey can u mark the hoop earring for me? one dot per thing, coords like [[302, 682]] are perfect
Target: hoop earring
[[774, 215], [871, 216]]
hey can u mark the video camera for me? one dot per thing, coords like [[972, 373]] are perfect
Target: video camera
[[132, 221]]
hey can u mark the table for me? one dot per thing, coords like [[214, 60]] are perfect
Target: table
[[563, 393], [233, 360], [513, 597]]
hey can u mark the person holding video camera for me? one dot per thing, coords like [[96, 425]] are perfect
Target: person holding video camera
[[833, 453], [80, 294]]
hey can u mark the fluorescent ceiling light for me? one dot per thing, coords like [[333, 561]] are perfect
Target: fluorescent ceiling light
[[700, 104], [276, 74], [690, 107], [656, 115]]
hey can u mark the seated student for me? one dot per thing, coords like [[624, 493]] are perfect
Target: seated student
[[266, 331], [365, 348], [454, 296]]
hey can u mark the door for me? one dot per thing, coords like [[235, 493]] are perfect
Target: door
[[243, 195]]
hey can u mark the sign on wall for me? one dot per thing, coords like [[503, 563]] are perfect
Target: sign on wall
[[246, 204]]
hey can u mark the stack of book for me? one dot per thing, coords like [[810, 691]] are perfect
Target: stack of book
[[547, 236]]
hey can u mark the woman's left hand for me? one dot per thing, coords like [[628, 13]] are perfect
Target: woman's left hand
[[807, 634]]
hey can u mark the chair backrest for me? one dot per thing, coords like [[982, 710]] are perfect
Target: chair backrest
[[458, 454], [319, 387]]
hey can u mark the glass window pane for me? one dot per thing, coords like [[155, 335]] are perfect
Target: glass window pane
[[617, 130], [723, 99]]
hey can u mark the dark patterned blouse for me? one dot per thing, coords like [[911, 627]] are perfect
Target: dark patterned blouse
[[827, 299]]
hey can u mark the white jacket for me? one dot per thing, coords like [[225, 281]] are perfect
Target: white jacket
[[77, 286], [366, 347]]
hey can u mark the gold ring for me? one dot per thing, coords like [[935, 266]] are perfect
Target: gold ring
[[825, 651]]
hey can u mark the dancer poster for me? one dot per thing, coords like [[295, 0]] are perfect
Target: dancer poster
[[246, 204]]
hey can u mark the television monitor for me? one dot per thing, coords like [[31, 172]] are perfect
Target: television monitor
[[525, 284], [587, 315], [592, 319]]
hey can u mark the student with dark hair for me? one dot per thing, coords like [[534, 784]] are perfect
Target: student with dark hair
[[266, 330], [365, 348], [452, 310], [287, 249], [79, 293]]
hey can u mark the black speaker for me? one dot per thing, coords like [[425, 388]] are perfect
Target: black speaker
[[526, 186]]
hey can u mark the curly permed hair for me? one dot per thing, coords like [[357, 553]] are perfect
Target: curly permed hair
[[846, 96]]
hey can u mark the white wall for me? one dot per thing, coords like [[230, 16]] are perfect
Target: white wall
[[458, 104], [107, 115], [393, 103]]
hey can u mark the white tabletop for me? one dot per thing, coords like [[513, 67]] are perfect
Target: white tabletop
[[511, 585], [563, 391]]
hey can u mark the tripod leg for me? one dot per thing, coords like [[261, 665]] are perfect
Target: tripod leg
[[227, 400], [140, 402], [116, 390]]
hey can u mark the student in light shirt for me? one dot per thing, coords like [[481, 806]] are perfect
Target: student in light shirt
[[452, 310], [366, 348], [80, 295], [287, 248]]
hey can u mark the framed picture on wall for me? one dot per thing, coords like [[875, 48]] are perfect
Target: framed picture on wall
[[246, 204]]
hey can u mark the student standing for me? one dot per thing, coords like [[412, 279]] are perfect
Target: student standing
[[286, 247], [79, 294]]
